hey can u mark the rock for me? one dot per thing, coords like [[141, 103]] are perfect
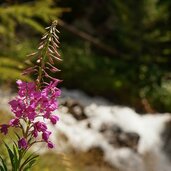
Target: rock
[[166, 135], [113, 128], [75, 108], [88, 125], [116, 129], [129, 139], [118, 138], [103, 128]]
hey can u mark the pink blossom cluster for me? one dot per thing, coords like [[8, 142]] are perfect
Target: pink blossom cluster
[[30, 104]]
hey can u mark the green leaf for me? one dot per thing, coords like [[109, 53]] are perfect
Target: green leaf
[[29, 165], [17, 136], [31, 159], [16, 157], [11, 155], [3, 166]]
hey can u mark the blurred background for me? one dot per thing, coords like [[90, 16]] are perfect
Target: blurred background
[[116, 49]]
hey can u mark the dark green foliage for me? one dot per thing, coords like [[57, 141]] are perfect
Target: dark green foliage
[[140, 34], [20, 25], [10, 70], [160, 97], [16, 16]]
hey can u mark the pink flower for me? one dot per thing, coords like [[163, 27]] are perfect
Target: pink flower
[[4, 129], [35, 133], [25, 88], [22, 143], [14, 104], [14, 122], [50, 144], [30, 113], [54, 119], [30, 104], [52, 89], [45, 135], [17, 107], [40, 126]]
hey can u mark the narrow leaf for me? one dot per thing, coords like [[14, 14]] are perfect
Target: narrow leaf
[[3, 164], [11, 155]]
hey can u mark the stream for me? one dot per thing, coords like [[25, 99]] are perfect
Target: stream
[[127, 140]]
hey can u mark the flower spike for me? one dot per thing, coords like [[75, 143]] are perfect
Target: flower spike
[[46, 56]]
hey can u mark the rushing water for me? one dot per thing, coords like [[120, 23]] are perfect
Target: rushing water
[[129, 141]]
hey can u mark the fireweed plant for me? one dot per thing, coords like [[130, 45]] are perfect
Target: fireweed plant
[[35, 103]]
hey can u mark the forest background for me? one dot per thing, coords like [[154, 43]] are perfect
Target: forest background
[[117, 49]]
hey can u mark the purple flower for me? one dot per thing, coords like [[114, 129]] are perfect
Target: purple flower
[[45, 135], [14, 104], [4, 129], [50, 144], [18, 107], [35, 133], [30, 113], [53, 105], [30, 104], [14, 122], [40, 126], [22, 143], [52, 89], [54, 119], [25, 88]]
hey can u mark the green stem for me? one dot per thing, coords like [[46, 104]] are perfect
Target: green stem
[[22, 152], [27, 129]]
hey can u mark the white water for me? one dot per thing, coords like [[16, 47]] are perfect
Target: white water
[[149, 155]]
